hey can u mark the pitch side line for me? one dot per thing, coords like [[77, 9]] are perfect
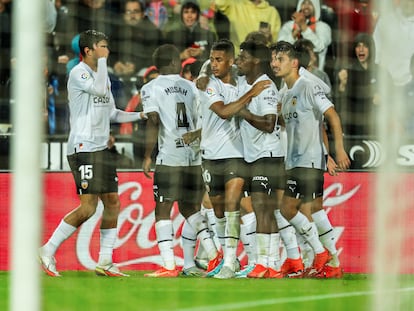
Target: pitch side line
[[258, 303]]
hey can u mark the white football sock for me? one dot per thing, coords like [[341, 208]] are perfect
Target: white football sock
[[61, 233], [248, 236], [211, 221], [288, 234], [188, 239], [305, 228], [165, 233], [199, 224], [221, 228], [263, 243], [274, 252], [232, 235], [107, 242], [326, 234]]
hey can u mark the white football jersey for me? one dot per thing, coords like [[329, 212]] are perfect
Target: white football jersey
[[175, 100], [90, 107], [220, 138], [256, 143], [303, 107]]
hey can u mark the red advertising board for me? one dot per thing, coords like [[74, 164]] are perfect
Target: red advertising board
[[348, 200]]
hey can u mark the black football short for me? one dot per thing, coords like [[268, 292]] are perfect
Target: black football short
[[94, 172], [178, 183], [305, 184]]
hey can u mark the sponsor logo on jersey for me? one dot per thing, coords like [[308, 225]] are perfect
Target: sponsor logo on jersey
[[290, 115], [84, 75], [101, 100]]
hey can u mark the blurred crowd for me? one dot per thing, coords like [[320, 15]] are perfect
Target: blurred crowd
[[343, 37]]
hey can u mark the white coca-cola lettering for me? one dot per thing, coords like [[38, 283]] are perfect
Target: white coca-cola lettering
[[332, 195], [133, 215], [141, 221]]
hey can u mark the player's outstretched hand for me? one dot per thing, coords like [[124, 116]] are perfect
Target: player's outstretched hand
[[146, 166]]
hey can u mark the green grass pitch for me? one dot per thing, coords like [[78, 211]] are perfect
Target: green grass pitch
[[85, 291]]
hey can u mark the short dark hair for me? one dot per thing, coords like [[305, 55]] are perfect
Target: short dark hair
[[190, 5], [256, 49], [368, 41], [164, 55], [283, 46], [224, 45], [303, 48], [293, 52], [90, 37], [256, 36]]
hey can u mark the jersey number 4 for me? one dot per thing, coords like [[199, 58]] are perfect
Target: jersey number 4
[[182, 120]]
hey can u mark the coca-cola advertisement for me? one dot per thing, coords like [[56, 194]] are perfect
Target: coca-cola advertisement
[[348, 200]]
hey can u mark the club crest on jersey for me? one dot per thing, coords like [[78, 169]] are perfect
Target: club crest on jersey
[[84, 75], [84, 184], [294, 100], [209, 91]]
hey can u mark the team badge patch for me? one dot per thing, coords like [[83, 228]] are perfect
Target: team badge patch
[[84, 75], [209, 91], [294, 100], [84, 184]]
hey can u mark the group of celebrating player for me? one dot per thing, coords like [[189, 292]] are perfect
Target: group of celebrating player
[[232, 141]]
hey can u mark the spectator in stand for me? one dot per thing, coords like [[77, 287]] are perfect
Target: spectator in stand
[[135, 39], [51, 16], [191, 68], [207, 14], [246, 16], [356, 88], [92, 14], [190, 39], [83, 15], [394, 41], [157, 13], [313, 63], [306, 24], [73, 18], [285, 8]]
